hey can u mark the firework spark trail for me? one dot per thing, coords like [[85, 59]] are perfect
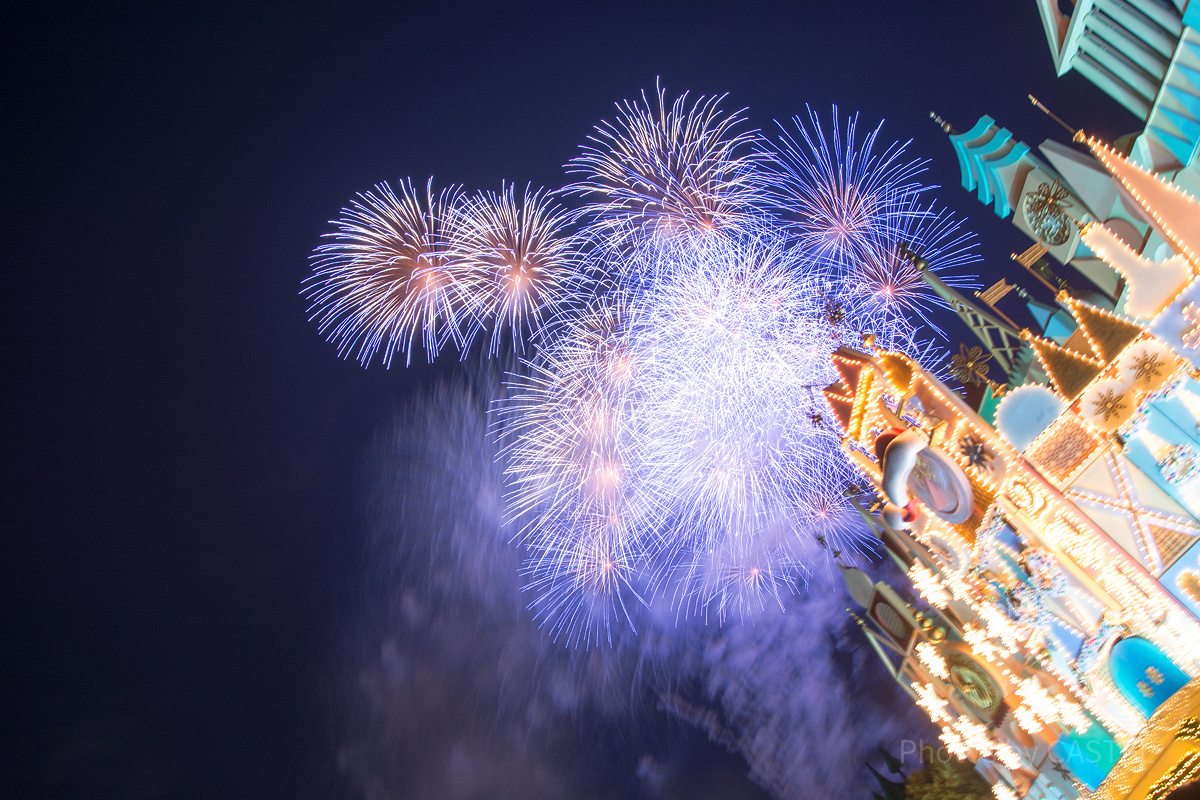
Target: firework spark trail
[[886, 283], [579, 486], [664, 435], [729, 364], [698, 420]]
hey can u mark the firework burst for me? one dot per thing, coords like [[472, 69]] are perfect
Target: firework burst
[[386, 275], [517, 259], [842, 196], [661, 168], [663, 435], [886, 283]]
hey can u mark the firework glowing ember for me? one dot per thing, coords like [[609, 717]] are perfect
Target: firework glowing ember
[[663, 437]]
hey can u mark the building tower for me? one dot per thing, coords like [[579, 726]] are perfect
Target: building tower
[[1145, 54], [1049, 199]]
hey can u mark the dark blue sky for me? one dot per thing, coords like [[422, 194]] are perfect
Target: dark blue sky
[[180, 535]]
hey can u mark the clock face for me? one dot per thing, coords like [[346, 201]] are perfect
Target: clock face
[[1044, 214], [973, 683]]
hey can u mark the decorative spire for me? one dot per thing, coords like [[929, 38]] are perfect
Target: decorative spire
[[1041, 107], [1175, 214], [841, 396], [999, 337], [841, 405], [941, 123], [1107, 333], [849, 364], [1071, 372]]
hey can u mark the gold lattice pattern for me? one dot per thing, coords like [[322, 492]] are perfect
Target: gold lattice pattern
[[1063, 448], [1106, 333], [1171, 544], [1069, 370]]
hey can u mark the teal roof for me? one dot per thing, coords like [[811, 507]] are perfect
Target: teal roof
[[1191, 15], [981, 163], [1089, 755], [959, 142], [987, 407]]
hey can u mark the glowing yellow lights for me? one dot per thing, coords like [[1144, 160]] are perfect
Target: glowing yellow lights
[[1040, 708], [964, 735], [999, 626], [1171, 718], [1153, 285], [982, 644], [1123, 170], [1042, 506], [929, 586]]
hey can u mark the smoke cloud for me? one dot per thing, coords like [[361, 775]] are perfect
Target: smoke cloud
[[453, 691]]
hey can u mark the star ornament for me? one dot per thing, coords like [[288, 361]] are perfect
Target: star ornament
[[1147, 365], [1109, 404], [974, 451]]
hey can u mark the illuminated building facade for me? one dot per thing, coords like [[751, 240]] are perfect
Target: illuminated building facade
[[1052, 530]]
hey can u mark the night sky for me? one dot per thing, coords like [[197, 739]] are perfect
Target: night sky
[[185, 460]]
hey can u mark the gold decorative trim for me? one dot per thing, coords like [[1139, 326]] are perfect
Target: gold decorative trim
[[1170, 722], [1186, 770]]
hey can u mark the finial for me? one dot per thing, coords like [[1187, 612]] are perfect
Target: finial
[[904, 250], [941, 123], [1075, 134]]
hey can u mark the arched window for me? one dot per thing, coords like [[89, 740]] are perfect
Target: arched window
[[1144, 674]]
